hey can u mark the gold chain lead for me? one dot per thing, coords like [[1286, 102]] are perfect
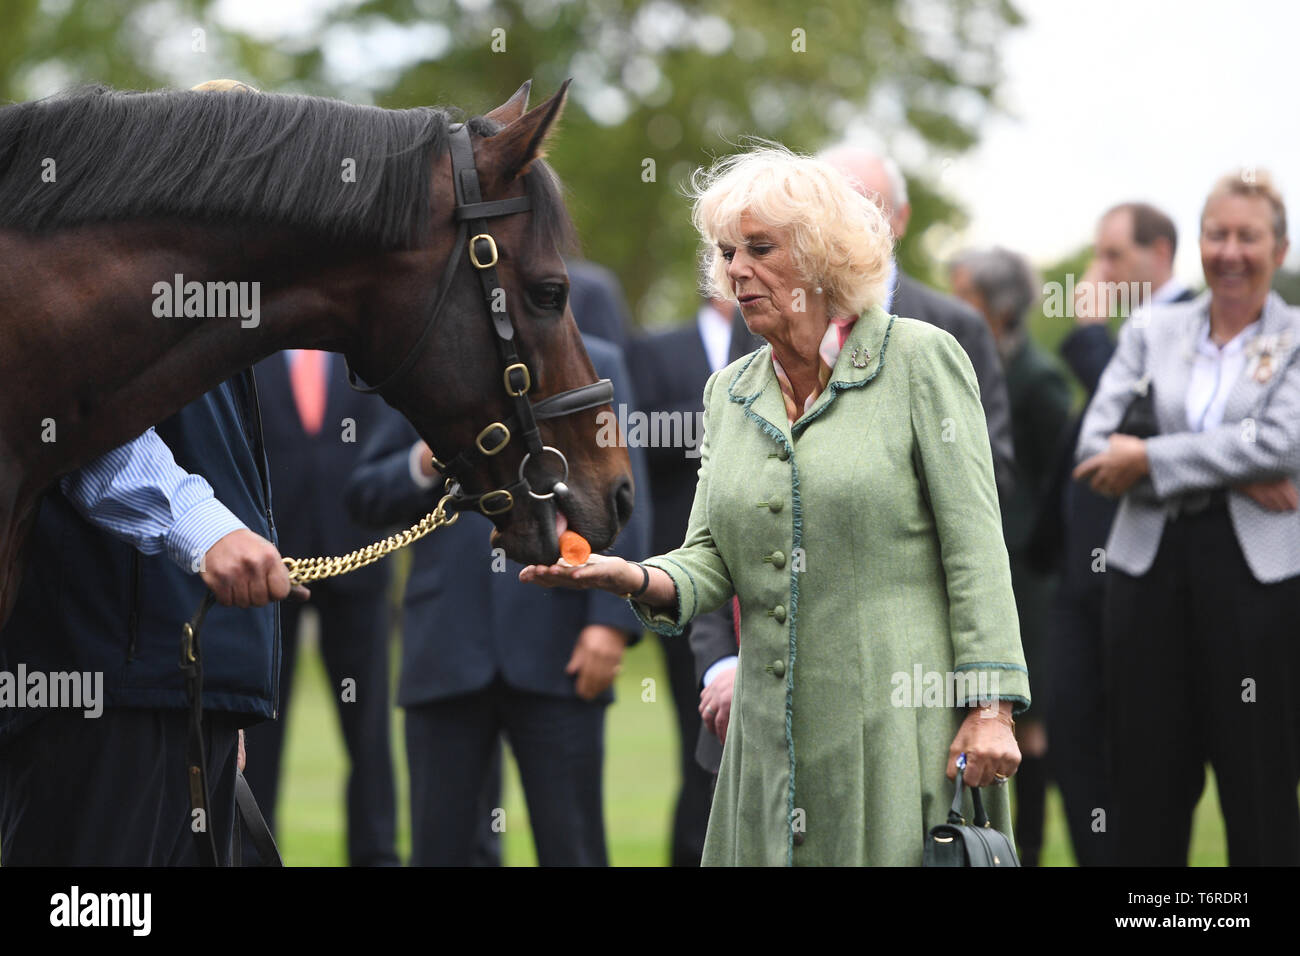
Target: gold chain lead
[[305, 570]]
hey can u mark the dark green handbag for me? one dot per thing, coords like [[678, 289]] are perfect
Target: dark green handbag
[[956, 844]]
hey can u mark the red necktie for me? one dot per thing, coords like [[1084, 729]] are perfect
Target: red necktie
[[307, 376]]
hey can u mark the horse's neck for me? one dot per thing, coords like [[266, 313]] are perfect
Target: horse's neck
[[113, 355]]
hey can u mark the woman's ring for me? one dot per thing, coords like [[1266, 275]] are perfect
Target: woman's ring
[[1000, 778]]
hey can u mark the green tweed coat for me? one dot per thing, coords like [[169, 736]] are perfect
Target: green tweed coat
[[866, 547]]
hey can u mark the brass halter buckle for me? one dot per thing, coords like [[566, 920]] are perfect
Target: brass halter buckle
[[473, 251], [508, 502], [487, 433], [528, 380]]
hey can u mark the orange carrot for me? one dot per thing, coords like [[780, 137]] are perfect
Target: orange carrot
[[574, 548]]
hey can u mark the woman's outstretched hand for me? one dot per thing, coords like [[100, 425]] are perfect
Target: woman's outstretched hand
[[602, 571]]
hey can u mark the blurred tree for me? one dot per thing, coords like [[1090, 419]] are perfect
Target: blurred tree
[[660, 86], [49, 45], [1286, 283]]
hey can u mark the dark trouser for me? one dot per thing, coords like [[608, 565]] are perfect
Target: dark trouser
[[354, 645], [487, 844], [1031, 803], [1203, 664], [558, 743], [112, 791], [691, 815], [1076, 719]]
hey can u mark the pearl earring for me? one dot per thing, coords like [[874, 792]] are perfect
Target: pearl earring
[[819, 290]]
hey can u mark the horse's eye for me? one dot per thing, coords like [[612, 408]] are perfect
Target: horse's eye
[[549, 296]]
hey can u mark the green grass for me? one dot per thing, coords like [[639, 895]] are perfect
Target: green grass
[[641, 780], [641, 776]]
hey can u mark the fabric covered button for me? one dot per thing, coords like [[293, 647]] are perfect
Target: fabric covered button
[[783, 454], [778, 612], [777, 558], [777, 667], [775, 505]]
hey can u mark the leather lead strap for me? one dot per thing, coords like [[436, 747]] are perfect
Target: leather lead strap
[[196, 758], [268, 853]]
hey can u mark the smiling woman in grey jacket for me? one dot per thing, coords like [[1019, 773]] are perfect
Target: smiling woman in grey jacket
[[1203, 560]]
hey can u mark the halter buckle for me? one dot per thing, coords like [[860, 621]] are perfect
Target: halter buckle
[[528, 380], [487, 433], [473, 251], [484, 507]]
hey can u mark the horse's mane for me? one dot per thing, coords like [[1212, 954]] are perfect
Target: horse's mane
[[236, 158]]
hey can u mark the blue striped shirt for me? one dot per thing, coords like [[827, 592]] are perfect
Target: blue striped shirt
[[138, 493]]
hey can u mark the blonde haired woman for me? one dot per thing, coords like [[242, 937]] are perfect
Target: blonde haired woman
[[846, 496], [1203, 560]]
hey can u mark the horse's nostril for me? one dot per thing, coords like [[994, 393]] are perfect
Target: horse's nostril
[[623, 500]]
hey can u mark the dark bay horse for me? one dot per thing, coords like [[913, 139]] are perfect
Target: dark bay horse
[[331, 224]]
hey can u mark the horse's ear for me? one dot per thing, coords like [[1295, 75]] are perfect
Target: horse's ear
[[513, 108], [510, 152]]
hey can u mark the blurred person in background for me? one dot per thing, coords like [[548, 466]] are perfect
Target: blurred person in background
[[600, 309], [1002, 287], [822, 763], [314, 425], [596, 298], [485, 656], [669, 370], [878, 178], [1203, 560], [1133, 255], [715, 644], [1133, 249]]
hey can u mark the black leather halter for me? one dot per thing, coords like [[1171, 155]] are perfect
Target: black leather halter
[[471, 214]]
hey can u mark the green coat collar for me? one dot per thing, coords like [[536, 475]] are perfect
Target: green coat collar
[[755, 385]]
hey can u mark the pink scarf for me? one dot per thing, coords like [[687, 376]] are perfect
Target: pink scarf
[[829, 350]]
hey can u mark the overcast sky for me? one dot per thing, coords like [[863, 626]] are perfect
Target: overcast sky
[[1144, 99]]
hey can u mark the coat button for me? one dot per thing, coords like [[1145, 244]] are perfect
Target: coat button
[[775, 505], [798, 838], [777, 558], [783, 453], [777, 668], [778, 612]]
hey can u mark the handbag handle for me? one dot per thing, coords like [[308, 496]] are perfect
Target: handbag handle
[[954, 812]]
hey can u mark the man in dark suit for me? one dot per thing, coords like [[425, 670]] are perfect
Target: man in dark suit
[[599, 309], [669, 370], [879, 177], [715, 646], [1135, 243], [1002, 287], [596, 299], [314, 425], [483, 654]]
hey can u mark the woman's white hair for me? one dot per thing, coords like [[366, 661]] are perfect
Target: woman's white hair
[[840, 240]]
